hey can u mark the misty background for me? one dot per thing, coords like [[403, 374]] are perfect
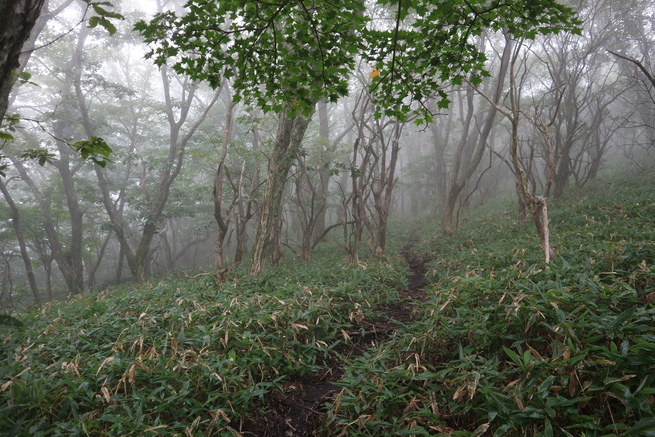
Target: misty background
[[181, 190]]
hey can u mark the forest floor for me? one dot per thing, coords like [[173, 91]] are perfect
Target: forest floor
[[298, 410], [322, 348]]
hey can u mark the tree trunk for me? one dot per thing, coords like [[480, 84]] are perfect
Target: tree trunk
[[62, 256], [440, 139], [91, 280], [383, 187], [137, 258], [448, 210], [535, 204], [323, 172], [119, 267], [244, 211], [15, 221], [17, 18], [459, 177], [222, 221], [285, 149], [563, 173], [75, 264]]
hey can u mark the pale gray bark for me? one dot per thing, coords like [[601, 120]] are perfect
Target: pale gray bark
[[223, 219], [291, 130], [476, 144]]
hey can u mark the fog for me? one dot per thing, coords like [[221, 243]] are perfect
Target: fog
[[184, 185]]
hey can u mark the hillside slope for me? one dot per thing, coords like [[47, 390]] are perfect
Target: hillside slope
[[509, 346], [503, 344]]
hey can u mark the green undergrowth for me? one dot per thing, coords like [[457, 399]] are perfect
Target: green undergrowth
[[507, 346], [184, 356]]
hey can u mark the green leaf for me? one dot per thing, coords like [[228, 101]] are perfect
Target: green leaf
[[513, 356], [644, 425], [103, 16], [623, 317], [548, 429], [41, 155], [95, 149]]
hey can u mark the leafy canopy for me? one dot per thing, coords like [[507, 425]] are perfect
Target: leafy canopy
[[438, 46], [295, 52], [278, 53]]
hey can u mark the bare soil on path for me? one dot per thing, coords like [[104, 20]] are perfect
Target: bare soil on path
[[298, 411]]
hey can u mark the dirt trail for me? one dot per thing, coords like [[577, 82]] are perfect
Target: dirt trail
[[297, 411]]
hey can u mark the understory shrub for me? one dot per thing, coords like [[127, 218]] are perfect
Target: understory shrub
[[182, 356]]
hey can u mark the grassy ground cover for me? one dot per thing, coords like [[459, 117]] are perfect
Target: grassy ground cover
[[508, 346], [504, 345], [183, 356]]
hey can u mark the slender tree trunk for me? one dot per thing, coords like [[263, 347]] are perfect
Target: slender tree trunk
[[91, 281], [48, 279], [457, 182], [383, 187], [324, 172], [222, 221], [244, 211], [239, 249], [536, 205], [304, 197], [355, 203], [15, 222], [137, 258], [63, 256], [522, 207], [564, 132], [440, 140], [119, 267], [459, 177], [291, 131], [75, 264]]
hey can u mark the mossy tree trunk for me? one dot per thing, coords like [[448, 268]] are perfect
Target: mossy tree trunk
[[291, 130], [223, 219]]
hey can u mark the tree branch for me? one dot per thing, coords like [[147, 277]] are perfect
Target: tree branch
[[641, 66]]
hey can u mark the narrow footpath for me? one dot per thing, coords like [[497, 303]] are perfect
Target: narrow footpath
[[298, 411]]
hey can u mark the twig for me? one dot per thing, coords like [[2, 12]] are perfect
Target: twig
[[197, 276]]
